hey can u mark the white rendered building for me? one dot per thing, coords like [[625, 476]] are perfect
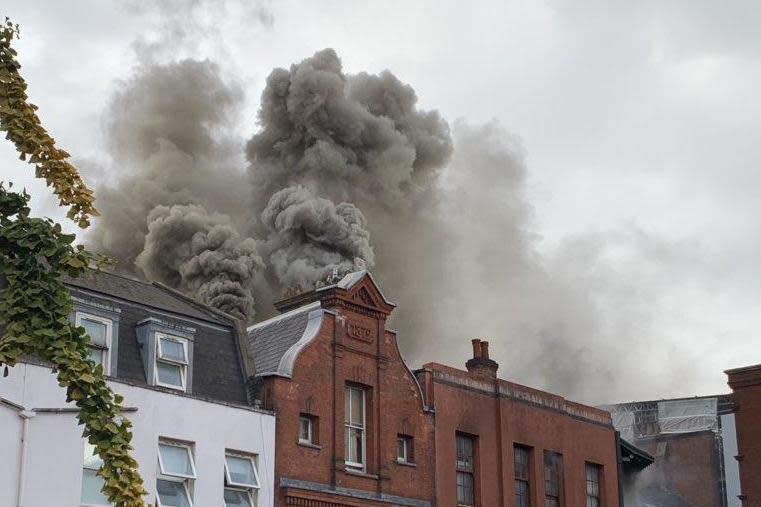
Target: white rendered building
[[180, 369]]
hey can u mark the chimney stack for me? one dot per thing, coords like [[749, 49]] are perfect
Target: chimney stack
[[480, 365], [485, 350], [476, 347]]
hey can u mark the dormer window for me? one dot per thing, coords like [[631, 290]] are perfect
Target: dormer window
[[100, 331], [167, 350], [171, 361]]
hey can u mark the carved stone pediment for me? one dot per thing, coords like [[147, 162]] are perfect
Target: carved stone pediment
[[367, 295]]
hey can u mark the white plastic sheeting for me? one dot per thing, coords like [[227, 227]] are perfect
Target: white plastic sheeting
[[624, 423], [687, 416]]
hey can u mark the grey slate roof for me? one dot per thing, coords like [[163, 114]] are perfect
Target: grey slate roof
[[272, 339], [217, 369], [110, 284]]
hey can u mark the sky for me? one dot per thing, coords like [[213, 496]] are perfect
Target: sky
[[638, 123]]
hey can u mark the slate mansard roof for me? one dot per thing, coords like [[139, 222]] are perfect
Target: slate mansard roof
[[276, 342], [143, 293], [218, 370]]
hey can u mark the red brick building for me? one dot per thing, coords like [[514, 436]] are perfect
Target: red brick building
[[746, 385], [354, 427], [500, 443]]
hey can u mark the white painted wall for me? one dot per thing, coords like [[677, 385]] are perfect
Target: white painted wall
[[731, 466], [55, 446]]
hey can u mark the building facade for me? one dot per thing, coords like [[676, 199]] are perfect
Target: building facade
[[355, 427], [500, 443], [312, 408], [693, 444], [746, 386], [180, 369], [352, 425]]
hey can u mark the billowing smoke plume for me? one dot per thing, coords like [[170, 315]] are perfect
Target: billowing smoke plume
[[180, 207], [348, 138], [345, 170], [310, 237], [201, 253], [176, 213]]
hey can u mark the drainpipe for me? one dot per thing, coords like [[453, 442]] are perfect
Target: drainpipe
[[25, 416], [619, 464]]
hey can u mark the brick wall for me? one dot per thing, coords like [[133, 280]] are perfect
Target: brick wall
[[746, 384], [352, 347], [501, 415]]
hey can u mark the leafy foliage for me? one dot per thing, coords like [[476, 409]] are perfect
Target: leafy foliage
[[35, 305], [34, 311], [18, 118]]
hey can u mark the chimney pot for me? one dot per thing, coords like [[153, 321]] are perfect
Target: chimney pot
[[485, 349], [476, 347]]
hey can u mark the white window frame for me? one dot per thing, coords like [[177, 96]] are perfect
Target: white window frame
[[245, 488], [407, 448], [242, 490], [109, 336], [182, 364], [174, 477], [348, 424], [236, 485], [170, 478], [188, 448], [85, 467], [310, 426]]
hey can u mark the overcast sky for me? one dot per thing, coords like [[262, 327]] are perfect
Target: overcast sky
[[638, 120]]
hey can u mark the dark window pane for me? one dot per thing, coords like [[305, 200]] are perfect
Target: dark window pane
[[172, 493], [464, 453], [593, 485], [465, 488], [552, 478], [521, 463], [522, 496], [237, 498]]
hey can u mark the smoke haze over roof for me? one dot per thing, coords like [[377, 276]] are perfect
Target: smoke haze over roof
[[581, 198]]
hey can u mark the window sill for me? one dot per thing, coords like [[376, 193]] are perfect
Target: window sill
[[310, 445], [171, 387], [406, 464], [360, 473]]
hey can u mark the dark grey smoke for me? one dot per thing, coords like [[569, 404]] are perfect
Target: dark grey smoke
[[201, 253], [168, 217], [453, 238], [179, 210], [310, 237], [166, 129], [359, 138]]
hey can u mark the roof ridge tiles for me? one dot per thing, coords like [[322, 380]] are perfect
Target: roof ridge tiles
[[201, 306]]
